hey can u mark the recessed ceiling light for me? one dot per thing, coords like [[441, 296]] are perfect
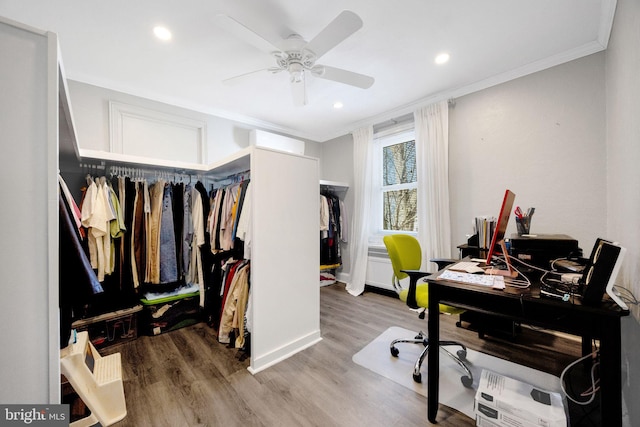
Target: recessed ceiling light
[[337, 105], [442, 58], [162, 33]]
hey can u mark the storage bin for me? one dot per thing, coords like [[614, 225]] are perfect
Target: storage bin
[[170, 313]]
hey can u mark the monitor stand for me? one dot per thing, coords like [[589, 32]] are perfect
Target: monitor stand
[[509, 272]]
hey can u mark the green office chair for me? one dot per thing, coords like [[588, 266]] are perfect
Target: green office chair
[[406, 259]]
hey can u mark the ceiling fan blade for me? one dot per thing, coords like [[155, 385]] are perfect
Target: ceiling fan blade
[[339, 29], [299, 93], [231, 81], [343, 76], [246, 34]]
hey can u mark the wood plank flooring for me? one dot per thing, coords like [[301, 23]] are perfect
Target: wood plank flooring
[[186, 378]]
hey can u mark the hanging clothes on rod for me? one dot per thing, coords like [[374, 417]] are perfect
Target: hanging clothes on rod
[[148, 235], [228, 197], [97, 213], [158, 232], [226, 235], [332, 225], [226, 209], [77, 282], [235, 297]]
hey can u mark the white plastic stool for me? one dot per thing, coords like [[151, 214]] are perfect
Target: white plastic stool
[[96, 379]]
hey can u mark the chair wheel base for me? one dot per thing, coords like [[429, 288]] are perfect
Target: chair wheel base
[[466, 381], [417, 378], [462, 355], [394, 351]]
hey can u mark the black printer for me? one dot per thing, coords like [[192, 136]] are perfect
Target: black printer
[[541, 249]]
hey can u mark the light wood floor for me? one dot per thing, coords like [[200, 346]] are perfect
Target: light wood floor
[[186, 378]]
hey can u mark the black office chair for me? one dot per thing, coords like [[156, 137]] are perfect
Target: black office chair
[[406, 258]]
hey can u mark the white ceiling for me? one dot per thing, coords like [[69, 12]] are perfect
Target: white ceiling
[[111, 44]]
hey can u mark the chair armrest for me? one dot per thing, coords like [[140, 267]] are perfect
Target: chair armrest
[[414, 276], [443, 262]]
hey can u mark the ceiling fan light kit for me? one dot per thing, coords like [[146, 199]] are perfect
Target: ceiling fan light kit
[[298, 57]]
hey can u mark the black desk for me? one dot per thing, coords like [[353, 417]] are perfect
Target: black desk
[[526, 306]]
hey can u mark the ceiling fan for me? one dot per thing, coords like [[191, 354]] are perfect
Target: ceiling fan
[[298, 57]]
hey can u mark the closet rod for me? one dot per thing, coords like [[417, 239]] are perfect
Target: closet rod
[[233, 178], [93, 167], [150, 174], [154, 174]]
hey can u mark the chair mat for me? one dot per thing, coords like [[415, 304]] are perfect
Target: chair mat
[[376, 357]]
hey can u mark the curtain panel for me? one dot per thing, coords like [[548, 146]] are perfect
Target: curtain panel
[[432, 152], [359, 237]]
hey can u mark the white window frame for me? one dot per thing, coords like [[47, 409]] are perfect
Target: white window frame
[[398, 134]]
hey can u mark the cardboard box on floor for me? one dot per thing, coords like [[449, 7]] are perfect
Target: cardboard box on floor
[[508, 402]]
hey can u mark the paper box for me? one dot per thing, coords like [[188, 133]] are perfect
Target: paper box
[[491, 417], [506, 401]]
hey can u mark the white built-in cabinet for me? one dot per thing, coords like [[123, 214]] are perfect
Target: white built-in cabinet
[[37, 128]]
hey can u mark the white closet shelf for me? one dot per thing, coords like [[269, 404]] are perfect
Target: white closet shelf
[[335, 187], [325, 183], [238, 161], [140, 161]]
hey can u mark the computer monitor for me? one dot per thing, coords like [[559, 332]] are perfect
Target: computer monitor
[[501, 225]]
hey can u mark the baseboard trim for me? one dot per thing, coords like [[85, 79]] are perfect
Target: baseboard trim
[[278, 355], [381, 291]]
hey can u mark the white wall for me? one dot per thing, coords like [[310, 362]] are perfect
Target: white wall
[[91, 113], [623, 179], [623, 138], [28, 255], [542, 136], [286, 302]]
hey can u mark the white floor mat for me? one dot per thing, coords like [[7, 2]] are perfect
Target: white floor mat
[[377, 357]]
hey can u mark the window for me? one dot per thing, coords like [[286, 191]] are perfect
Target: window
[[395, 197], [399, 192]]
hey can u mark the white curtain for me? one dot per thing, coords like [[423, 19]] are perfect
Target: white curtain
[[359, 237], [432, 152]]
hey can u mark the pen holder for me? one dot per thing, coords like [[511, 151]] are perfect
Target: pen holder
[[523, 225]]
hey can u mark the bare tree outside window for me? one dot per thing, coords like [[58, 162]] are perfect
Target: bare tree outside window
[[400, 205]]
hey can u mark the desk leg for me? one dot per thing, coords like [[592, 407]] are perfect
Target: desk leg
[[610, 373], [433, 357], [587, 344]]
